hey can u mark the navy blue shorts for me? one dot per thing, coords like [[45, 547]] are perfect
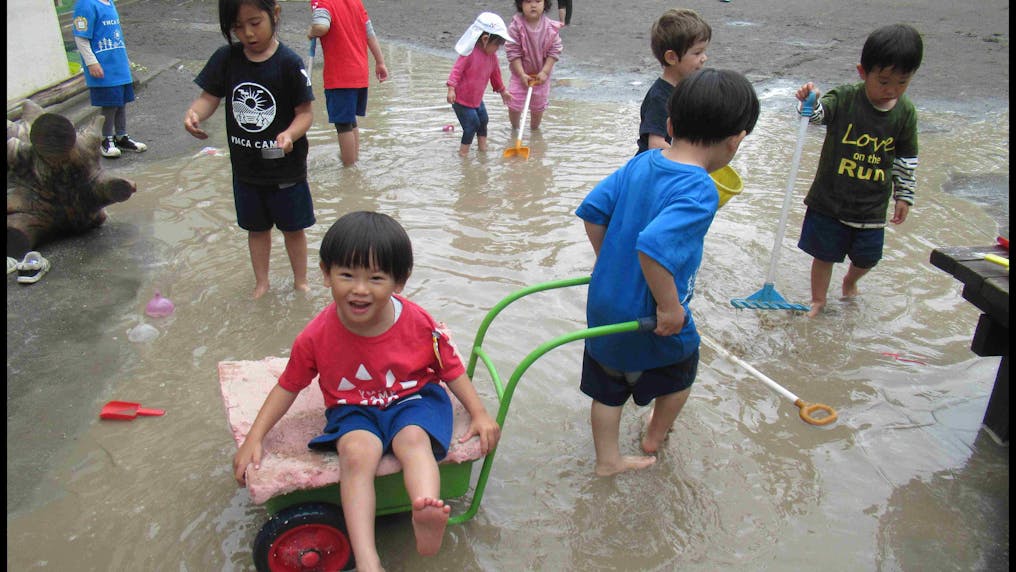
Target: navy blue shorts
[[613, 388], [430, 409], [829, 240], [116, 96], [344, 104], [259, 207]]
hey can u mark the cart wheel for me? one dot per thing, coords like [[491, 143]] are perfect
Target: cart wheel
[[305, 538]]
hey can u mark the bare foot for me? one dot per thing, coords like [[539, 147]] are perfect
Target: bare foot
[[260, 290], [430, 516], [627, 463], [816, 308], [301, 286], [650, 443], [850, 291]]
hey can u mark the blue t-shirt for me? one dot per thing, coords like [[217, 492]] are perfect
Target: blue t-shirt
[[100, 24], [660, 208]]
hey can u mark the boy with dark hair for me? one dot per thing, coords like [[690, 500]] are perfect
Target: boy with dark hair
[[869, 155], [378, 358], [647, 224], [679, 39]]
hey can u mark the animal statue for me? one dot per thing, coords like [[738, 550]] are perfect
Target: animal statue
[[55, 185]]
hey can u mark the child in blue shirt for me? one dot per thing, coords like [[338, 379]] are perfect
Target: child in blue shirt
[[99, 39], [647, 224]]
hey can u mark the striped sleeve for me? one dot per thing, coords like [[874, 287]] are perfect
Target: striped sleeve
[[904, 182]]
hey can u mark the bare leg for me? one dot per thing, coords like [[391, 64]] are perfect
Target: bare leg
[[850, 280], [359, 455], [560, 15], [821, 274], [514, 117], [665, 411], [606, 422], [481, 144], [296, 247], [260, 244], [349, 147], [423, 483], [463, 150], [535, 118]]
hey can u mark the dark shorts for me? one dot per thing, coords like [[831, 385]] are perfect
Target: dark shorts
[[430, 409], [829, 240], [259, 207], [613, 388], [116, 96], [344, 104]]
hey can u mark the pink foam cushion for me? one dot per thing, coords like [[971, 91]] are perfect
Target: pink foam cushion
[[288, 465]]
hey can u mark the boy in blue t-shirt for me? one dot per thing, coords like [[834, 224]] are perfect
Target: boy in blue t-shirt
[[99, 39], [647, 224]]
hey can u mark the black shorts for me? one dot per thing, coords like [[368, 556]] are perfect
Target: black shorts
[[611, 387]]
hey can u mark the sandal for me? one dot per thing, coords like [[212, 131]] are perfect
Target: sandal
[[32, 268], [12, 264]]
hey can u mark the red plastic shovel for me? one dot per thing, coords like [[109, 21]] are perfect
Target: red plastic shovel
[[126, 410]]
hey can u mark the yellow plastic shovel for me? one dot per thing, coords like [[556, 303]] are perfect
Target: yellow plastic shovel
[[518, 150]]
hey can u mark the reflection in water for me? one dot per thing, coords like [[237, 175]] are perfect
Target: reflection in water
[[903, 480]]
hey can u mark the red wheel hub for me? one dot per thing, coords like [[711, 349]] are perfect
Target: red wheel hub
[[309, 547]]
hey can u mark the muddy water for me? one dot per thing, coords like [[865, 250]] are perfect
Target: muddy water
[[905, 480]]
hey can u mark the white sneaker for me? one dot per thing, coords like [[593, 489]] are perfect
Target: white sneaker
[[32, 268], [109, 149]]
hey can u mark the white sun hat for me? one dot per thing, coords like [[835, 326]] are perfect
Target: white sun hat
[[488, 22]]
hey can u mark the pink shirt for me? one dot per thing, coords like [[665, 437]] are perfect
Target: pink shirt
[[534, 44], [470, 75]]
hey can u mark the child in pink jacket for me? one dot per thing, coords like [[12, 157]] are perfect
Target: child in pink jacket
[[477, 65], [531, 58]]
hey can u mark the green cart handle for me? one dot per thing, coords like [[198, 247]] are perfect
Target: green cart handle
[[506, 390]]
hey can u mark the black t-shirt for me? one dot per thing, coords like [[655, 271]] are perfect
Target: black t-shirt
[[261, 100], [654, 113]]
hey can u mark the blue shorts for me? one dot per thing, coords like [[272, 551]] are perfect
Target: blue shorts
[[613, 388], [259, 207], [829, 240], [116, 96], [430, 409], [344, 104]]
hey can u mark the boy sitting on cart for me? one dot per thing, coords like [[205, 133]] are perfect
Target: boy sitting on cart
[[379, 358]]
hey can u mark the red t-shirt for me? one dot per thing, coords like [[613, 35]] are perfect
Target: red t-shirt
[[345, 45], [372, 371]]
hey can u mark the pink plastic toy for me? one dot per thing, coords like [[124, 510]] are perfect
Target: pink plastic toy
[[159, 307], [448, 128]]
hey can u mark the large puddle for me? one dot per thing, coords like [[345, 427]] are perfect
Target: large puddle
[[905, 480]]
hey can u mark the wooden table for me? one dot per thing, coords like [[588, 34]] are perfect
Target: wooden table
[[986, 286]]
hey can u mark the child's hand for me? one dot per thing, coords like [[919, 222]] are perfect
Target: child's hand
[[805, 89], [285, 142], [95, 70], [487, 429], [669, 322], [535, 80], [381, 71], [900, 212], [249, 453], [451, 95], [506, 97], [192, 123]]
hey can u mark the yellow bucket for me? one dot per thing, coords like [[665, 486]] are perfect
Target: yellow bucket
[[728, 183]]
